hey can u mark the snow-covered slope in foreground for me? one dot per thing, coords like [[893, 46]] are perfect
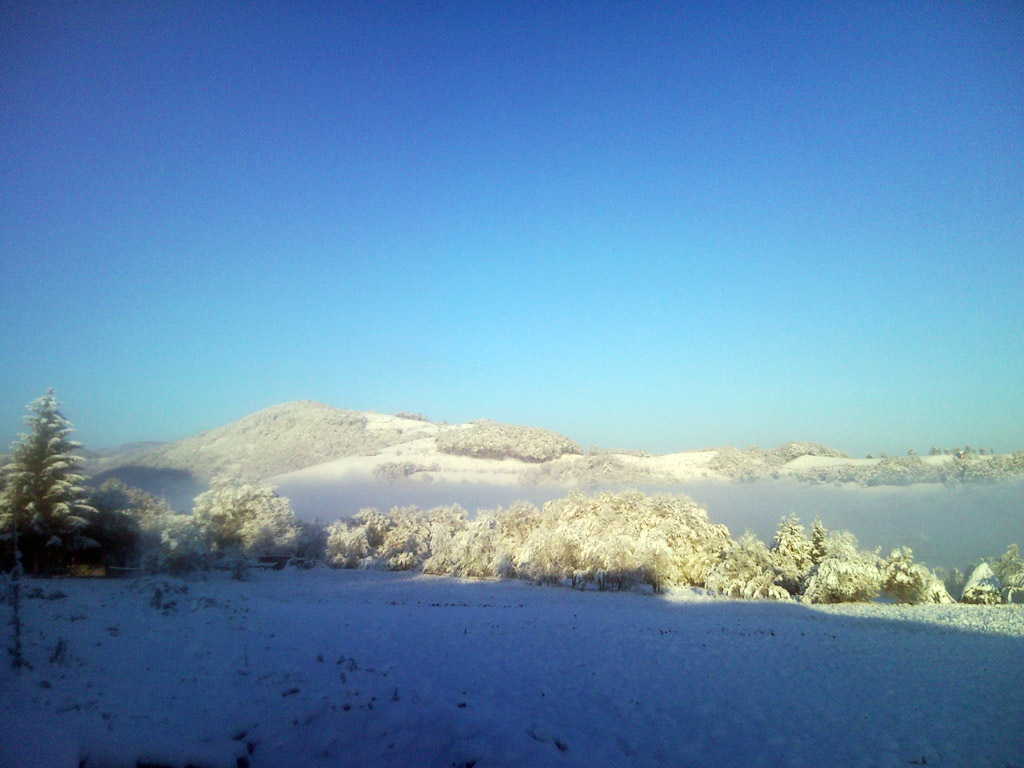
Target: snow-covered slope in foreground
[[357, 668]]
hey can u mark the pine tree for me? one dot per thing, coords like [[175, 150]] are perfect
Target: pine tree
[[791, 553], [43, 492], [818, 551]]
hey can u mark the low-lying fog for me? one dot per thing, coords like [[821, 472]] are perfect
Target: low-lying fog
[[945, 526]]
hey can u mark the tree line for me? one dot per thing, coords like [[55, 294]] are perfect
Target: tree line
[[52, 520]]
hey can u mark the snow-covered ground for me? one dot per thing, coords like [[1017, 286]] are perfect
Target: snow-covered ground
[[362, 668]]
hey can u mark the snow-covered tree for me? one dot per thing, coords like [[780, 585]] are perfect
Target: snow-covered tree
[[983, 587], [818, 536], [746, 570], [43, 490], [445, 525], [1010, 568], [616, 539], [348, 541], [249, 519], [184, 546], [910, 582], [844, 574], [515, 525], [791, 555], [473, 551]]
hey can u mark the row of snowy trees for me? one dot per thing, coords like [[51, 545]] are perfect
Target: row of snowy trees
[[622, 540], [608, 540]]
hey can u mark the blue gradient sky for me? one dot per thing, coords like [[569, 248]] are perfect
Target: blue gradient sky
[[657, 225]]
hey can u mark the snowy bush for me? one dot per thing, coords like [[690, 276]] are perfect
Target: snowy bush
[[252, 520], [983, 587], [184, 546], [491, 440], [401, 540], [473, 551], [445, 525], [617, 539], [910, 582], [843, 574], [347, 545], [746, 570], [406, 542]]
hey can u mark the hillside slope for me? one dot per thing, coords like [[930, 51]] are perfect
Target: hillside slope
[[279, 439]]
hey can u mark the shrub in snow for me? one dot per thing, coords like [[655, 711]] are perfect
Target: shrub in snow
[[184, 546], [983, 587], [843, 574], [347, 546], [401, 540], [44, 491], [128, 523], [1009, 569], [617, 539], [472, 551], [445, 525], [491, 440], [311, 543], [356, 542], [249, 519], [910, 582], [746, 570], [515, 525], [791, 555]]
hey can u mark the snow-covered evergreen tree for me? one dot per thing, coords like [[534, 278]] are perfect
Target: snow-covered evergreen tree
[[910, 582], [844, 574], [44, 491], [983, 587], [1009, 569], [818, 535], [791, 555]]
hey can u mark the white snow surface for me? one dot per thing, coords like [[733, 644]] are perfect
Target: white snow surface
[[367, 668]]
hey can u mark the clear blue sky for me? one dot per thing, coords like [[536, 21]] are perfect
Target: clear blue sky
[[657, 225]]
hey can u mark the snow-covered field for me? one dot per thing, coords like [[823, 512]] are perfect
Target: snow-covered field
[[365, 668]]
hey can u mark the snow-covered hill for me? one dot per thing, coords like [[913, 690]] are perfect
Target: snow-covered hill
[[275, 440], [369, 668], [308, 442]]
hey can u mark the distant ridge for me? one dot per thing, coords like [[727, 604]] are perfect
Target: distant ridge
[[276, 440], [306, 441]]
